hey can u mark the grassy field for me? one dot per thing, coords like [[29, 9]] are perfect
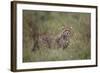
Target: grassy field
[[53, 22]]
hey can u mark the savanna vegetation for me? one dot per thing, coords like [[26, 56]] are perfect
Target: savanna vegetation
[[37, 24]]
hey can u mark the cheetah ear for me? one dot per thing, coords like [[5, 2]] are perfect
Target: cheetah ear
[[71, 27], [63, 27]]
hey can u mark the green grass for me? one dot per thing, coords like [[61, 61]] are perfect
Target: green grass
[[79, 47]]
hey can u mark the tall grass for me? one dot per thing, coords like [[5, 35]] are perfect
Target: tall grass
[[53, 22]]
